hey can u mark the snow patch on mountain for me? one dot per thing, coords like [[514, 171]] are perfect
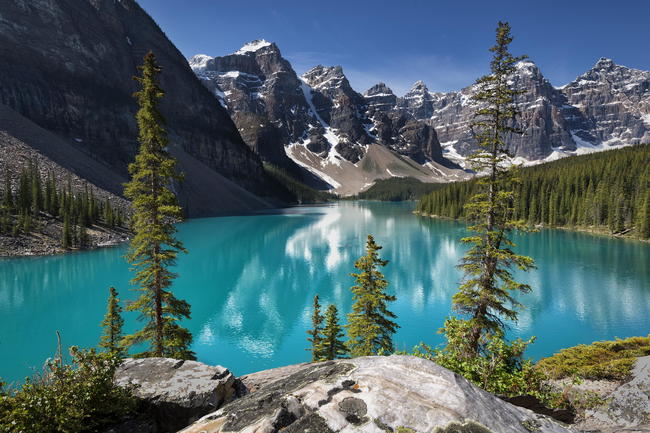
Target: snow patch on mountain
[[253, 46], [199, 62], [333, 139]]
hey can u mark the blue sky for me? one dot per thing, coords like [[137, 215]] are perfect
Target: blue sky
[[443, 43]]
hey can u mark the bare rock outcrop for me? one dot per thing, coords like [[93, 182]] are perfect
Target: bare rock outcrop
[[372, 394], [626, 408], [175, 393]]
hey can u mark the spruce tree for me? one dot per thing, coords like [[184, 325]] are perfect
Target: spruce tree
[[644, 223], [486, 294], [315, 333], [66, 236], [112, 324], [154, 248], [36, 189], [8, 197], [332, 344], [370, 328]]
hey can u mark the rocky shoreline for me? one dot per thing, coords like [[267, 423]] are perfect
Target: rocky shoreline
[[396, 393], [47, 241]]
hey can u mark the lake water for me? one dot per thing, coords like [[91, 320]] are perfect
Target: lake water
[[251, 281]]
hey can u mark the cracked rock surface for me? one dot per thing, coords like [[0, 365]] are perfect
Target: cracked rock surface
[[176, 393], [371, 394]]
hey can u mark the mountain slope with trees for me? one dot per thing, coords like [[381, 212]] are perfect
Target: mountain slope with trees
[[67, 67], [608, 191]]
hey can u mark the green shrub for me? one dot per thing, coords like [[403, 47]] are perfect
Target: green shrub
[[500, 368], [612, 360], [67, 398]]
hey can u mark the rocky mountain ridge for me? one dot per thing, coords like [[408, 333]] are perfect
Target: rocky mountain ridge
[[67, 67], [318, 120], [321, 122]]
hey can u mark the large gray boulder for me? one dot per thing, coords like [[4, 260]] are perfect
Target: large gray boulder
[[627, 407], [176, 393], [372, 394]]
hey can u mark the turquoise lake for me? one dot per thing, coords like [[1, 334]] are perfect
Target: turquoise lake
[[251, 281]]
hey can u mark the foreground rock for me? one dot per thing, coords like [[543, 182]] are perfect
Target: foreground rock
[[175, 393], [627, 407], [373, 394]]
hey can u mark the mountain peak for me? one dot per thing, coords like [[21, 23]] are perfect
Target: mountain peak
[[419, 87], [526, 64], [604, 63], [379, 89], [319, 72], [254, 46], [199, 62]]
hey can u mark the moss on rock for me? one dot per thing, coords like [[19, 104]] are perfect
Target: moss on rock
[[611, 360]]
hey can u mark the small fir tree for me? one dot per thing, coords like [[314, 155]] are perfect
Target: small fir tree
[[154, 248], [332, 344], [315, 333], [112, 324], [370, 328]]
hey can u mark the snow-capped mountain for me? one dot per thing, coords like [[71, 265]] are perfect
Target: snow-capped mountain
[[319, 122], [606, 107]]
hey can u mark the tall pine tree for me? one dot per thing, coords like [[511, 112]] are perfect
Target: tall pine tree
[[154, 248], [111, 338], [370, 328], [485, 297]]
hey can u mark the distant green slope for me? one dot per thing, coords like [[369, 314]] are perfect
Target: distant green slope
[[398, 189], [297, 190], [605, 191]]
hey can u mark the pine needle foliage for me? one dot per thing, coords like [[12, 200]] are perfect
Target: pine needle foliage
[[112, 324], [332, 344], [154, 248], [370, 328], [486, 295], [316, 332]]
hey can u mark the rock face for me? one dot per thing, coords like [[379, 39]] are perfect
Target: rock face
[[615, 100], [627, 407], [67, 66], [176, 392], [276, 111], [607, 106], [374, 394]]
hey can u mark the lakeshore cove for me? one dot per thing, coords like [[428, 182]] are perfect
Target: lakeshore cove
[[251, 281]]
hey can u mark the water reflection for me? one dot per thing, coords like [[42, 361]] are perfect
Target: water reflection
[[251, 281]]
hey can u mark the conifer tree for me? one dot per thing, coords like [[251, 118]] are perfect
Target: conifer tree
[[332, 344], [370, 328], [36, 189], [24, 192], [66, 236], [6, 223], [112, 324], [154, 248], [485, 296], [8, 198], [315, 333], [644, 223]]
